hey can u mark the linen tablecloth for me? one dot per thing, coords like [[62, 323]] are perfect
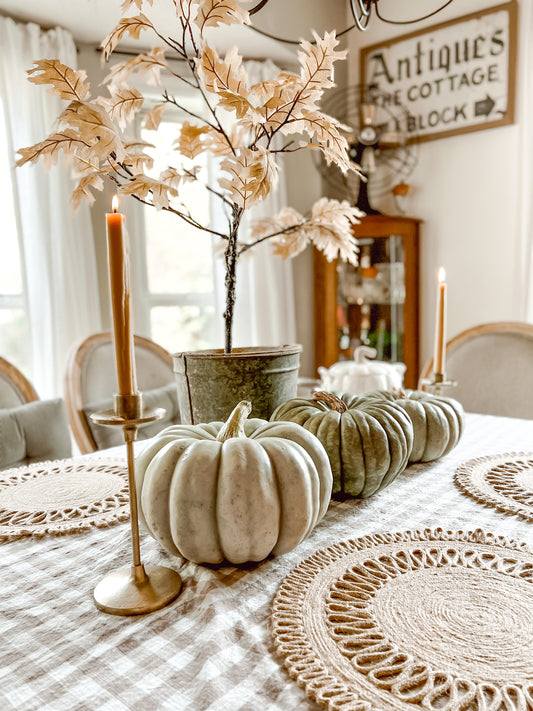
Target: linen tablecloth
[[211, 649]]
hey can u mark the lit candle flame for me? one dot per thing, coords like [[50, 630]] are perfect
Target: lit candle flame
[[441, 275], [114, 203]]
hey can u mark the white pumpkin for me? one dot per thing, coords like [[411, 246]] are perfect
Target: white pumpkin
[[236, 491]]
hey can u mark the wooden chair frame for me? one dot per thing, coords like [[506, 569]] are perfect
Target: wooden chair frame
[[21, 383], [514, 327], [73, 389]]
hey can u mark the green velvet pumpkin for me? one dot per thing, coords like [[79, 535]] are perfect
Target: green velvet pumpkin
[[368, 440], [236, 491], [437, 421]]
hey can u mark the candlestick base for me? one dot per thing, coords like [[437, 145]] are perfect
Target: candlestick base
[[129, 411], [436, 383], [136, 590]]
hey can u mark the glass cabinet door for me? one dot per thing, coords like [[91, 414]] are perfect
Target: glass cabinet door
[[375, 303], [370, 299]]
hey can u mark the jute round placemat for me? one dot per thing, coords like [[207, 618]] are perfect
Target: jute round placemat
[[62, 496], [419, 619], [504, 481]]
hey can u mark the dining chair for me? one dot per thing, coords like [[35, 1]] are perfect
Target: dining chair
[[492, 366], [15, 388], [31, 429], [90, 382]]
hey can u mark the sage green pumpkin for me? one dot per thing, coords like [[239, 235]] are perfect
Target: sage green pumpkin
[[437, 421], [368, 440], [236, 491]]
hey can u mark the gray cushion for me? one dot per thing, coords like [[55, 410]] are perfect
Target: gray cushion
[[34, 432], [164, 396]]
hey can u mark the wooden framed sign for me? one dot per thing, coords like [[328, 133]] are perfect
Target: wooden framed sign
[[455, 77]]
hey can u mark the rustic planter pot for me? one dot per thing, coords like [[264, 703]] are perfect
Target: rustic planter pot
[[210, 383]]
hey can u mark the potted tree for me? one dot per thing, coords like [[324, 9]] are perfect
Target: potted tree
[[90, 134]]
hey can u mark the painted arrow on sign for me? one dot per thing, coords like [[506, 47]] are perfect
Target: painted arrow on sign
[[484, 107]]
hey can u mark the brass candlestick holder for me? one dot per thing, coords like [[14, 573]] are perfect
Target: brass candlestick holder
[[436, 383], [136, 589]]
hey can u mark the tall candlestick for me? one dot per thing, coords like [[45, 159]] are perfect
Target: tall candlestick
[[119, 282], [440, 327]]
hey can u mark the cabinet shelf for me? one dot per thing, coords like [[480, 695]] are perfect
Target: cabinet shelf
[[375, 303]]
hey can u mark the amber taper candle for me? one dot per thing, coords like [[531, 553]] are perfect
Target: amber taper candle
[[440, 326], [119, 283]]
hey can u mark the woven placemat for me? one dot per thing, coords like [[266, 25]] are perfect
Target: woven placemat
[[419, 619], [62, 496], [504, 481]]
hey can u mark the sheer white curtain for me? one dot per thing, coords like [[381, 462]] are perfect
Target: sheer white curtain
[[56, 244], [525, 118], [264, 311]]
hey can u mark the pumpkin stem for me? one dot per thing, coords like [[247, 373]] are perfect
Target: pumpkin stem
[[234, 426], [331, 400]]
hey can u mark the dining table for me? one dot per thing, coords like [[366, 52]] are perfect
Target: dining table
[[212, 648]]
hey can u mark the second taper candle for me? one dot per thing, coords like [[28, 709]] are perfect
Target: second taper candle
[[440, 326], [119, 283]]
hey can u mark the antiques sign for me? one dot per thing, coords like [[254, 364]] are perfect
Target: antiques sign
[[452, 78]]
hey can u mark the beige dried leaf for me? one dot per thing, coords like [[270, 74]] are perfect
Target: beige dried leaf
[[138, 162], [95, 127], [330, 229], [222, 75], [65, 82], [154, 117], [136, 159], [317, 61], [173, 178], [288, 221], [280, 98], [149, 64], [324, 129], [220, 143], [287, 217], [145, 187], [252, 174], [217, 142], [128, 4], [335, 212], [212, 13], [82, 193], [190, 141], [84, 162], [132, 26], [235, 102], [291, 243], [278, 88], [123, 104], [67, 141]]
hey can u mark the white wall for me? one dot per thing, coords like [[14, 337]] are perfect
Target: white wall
[[466, 192]]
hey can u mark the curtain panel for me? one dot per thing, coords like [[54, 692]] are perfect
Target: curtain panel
[[56, 244]]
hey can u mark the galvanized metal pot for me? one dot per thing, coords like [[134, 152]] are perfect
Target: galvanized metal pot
[[210, 383]]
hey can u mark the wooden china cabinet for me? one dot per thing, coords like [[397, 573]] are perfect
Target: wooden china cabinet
[[375, 303]]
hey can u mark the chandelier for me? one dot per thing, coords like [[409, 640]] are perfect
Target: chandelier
[[361, 11]]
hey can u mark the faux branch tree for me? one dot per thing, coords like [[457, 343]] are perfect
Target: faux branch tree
[[245, 126]]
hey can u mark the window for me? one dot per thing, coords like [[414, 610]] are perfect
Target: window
[[179, 258], [14, 340]]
